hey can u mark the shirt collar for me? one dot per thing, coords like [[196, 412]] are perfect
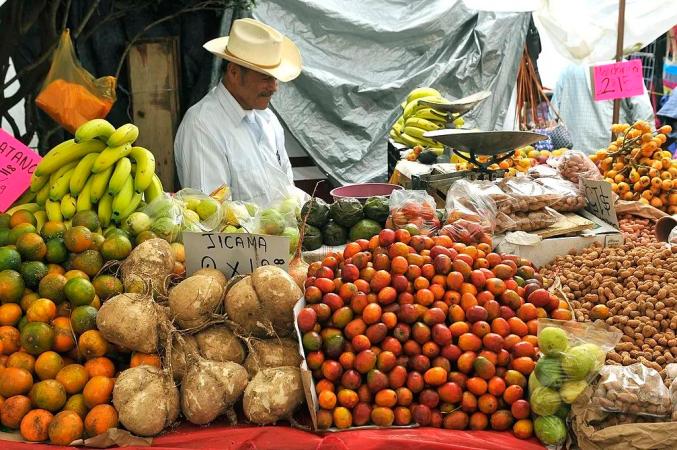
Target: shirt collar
[[232, 107]]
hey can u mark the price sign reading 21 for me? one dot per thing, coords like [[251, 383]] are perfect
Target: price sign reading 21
[[618, 80]]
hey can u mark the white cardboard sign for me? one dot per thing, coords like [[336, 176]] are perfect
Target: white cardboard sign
[[600, 200]]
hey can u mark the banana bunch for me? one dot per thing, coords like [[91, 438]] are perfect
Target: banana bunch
[[417, 118], [100, 169]]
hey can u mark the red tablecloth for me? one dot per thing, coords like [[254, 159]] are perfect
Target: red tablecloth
[[285, 438]]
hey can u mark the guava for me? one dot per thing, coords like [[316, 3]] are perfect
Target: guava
[[550, 430], [165, 228], [549, 371], [233, 213], [552, 341], [190, 216], [288, 206], [207, 208], [570, 390], [599, 355], [229, 229], [138, 222], [161, 207], [545, 401], [533, 382], [271, 222], [293, 234], [577, 362], [192, 203]]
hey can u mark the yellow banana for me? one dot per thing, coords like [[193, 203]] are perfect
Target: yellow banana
[[58, 173], [423, 92], [42, 195], [94, 129], [145, 168], [126, 134], [459, 122], [424, 124], [53, 210], [68, 206], [65, 153], [99, 184], [415, 105], [59, 188], [133, 204], [26, 197], [31, 207], [411, 141], [154, 190], [122, 171], [417, 133], [105, 210], [393, 134], [432, 115], [122, 199], [397, 127], [109, 157], [84, 202], [81, 173], [40, 218], [38, 182]]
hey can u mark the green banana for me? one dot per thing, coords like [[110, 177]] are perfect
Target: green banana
[[145, 168], [105, 210], [53, 210], [84, 202], [126, 134], [42, 195], [40, 218], [99, 184], [68, 206], [65, 153], [122, 171], [31, 207], [109, 157], [154, 190], [26, 197], [133, 204], [59, 188], [81, 173], [94, 129], [38, 182], [423, 92], [122, 199], [421, 123]]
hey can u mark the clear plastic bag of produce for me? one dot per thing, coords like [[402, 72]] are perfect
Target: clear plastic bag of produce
[[542, 171], [572, 353], [634, 389], [671, 370], [525, 195], [163, 217], [571, 197], [527, 221], [473, 202], [201, 212], [413, 208], [575, 165]]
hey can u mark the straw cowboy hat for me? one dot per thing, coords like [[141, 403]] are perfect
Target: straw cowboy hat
[[259, 47]]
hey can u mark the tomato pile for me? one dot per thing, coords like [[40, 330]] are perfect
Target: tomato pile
[[406, 329]]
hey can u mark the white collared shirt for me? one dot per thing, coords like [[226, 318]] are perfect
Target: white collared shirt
[[216, 143]]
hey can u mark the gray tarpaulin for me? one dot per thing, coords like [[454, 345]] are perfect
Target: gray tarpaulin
[[361, 58]]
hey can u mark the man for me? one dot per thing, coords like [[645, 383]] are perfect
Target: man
[[588, 121], [230, 136]]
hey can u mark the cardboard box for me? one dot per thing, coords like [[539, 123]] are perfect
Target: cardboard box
[[548, 249]]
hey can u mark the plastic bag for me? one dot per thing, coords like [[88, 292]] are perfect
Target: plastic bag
[[575, 165], [70, 95], [524, 195], [670, 368], [634, 389], [571, 197], [572, 353], [529, 221], [542, 171], [466, 232], [164, 216], [200, 211], [473, 202], [413, 208]]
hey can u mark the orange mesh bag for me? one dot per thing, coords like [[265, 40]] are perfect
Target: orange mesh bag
[[71, 95]]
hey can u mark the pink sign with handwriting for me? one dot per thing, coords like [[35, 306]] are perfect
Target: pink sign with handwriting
[[17, 164], [618, 80]]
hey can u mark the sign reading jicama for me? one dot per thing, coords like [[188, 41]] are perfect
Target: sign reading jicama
[[234, 253], [17, 164]]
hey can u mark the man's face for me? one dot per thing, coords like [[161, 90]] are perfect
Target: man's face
[[253, 90]]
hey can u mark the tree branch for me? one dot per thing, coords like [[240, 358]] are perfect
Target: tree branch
[[85, 19], [12, 123]]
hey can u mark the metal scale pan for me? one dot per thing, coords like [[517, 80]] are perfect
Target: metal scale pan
[[460, 106]]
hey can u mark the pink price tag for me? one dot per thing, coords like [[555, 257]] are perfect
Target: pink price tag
[[17, 164], [618, 80]]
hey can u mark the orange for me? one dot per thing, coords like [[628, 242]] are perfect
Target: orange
[[100, 419], [66, 427], [37, 337], [73, 377], [76, 403], [51, 286], [10, 314], [78, 239], [98, 390], [92, 344], [48, 365], [41, 310], [148, 359], [22, 360], [13, 410], [11, 286], [15, 381], [35, 425], [64, 339], [31, 247], [49, 395], [100, 366]]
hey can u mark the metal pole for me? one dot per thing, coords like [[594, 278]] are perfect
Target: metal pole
[[619, 53]]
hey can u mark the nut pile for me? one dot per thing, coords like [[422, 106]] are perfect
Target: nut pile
[[633, 287], [637, 229]]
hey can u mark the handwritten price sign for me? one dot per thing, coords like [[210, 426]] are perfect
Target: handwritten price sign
[[17, 164], [618, 80]]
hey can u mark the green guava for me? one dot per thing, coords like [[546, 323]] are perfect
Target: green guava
[[577, 362], [550, 430], [545, 401], [570, 390], [552, 341], [549, 371], [271, 222]]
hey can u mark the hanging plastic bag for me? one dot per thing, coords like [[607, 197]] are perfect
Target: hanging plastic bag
[[71, 95]]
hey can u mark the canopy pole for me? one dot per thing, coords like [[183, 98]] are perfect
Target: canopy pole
[[619, 53]]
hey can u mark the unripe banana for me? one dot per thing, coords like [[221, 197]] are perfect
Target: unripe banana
[[110, 156], [145, 168], [99, 184], [94, 129], [424, 124], [154, 190], [126, 134], [58, 173], [53, 210], [81, 173], [105, 210], [68, 206], [133, 204], [40, 219], [26, 197], [84, 202], [42, 195], [423, 92], [60, 187], [38, 182], [31, 207], [122, 199], [65, 153], [122, 171]]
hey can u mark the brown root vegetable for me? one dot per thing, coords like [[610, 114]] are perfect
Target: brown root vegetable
[[218, 343], [146, 399], [194, 300], [216, 274], [131, 321], [152, 261], [273, 394], [269, 353], [262, 304], [182, 347], [210, 388]]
